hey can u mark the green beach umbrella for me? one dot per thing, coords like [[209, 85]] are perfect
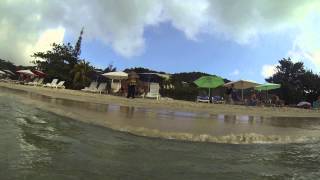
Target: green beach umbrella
[[267, 87], [209, 82]]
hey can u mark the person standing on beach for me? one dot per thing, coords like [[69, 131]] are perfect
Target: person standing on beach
[[229, 93], [132, 82]]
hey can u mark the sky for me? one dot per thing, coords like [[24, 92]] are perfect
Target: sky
[[235, 39]]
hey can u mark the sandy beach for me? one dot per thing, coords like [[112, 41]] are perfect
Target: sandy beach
[[173, 119], [167, 104]]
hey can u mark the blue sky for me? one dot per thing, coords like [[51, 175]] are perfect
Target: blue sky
[[169, 50]]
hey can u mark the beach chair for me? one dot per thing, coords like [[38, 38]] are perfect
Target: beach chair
[[7, 80], [115, 87], [218, 100], [204, 99], [35, 80], [93, 86], [60, 85], [154, 91], [101, 88], [39, 83], [52, 84]]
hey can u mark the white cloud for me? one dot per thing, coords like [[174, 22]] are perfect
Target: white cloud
[[236, 72], [268, 70], [45, 41], [189, 16], [121, 23], [306, 46]]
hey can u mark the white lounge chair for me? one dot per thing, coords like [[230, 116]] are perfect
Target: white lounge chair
[[52, 84], [93, 86], [60, 85], [205, 99], [39, 83], [154, 91], [101, 88], [35, 80], [115, 86]]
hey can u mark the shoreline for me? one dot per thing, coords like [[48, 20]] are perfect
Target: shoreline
[[85, 107], [166, 104]]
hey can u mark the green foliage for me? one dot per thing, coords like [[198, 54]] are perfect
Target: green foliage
[[7, 65], [181, 93], [77, 48], [80, 73], [182, 79], [58, 62], [142, 70], [297, 83], [63, 62], [110, 68]]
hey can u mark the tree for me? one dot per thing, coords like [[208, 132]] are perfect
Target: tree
[[180, 79], [80, 73], [142, 70], [60, 61], [77, 48], [297, 83], [110, 68], [7, 65]]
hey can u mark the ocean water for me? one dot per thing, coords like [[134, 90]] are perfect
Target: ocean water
[[39, 145]]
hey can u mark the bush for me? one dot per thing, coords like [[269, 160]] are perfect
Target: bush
[[181, 93]]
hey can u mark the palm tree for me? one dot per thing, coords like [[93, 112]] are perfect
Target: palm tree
[[110, 68], [80, 74]]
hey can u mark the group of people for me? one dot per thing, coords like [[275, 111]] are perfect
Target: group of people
[[232, 97]]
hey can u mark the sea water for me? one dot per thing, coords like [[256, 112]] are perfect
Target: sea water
[[36, 144]]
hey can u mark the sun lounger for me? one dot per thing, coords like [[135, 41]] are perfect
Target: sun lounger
[[204, 99], [93, 86], [154, 91], [7, 79], [218, 100], [101, 88], [52, 84], [32, 82], [115, 87], [39, 83], [60, 85]]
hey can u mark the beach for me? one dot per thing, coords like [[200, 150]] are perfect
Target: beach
[[166, 103], [173, 119], [61, 133]]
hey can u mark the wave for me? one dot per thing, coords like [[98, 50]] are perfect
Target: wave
[[246, 138], [228, 137]]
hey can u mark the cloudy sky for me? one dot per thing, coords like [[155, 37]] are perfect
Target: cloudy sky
[[237, 39]]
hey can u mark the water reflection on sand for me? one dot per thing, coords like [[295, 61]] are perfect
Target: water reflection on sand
[[180, 125]]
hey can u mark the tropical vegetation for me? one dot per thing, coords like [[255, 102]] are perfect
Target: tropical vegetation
[[297, 83]]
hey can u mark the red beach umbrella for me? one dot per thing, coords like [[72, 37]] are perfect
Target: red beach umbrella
[[26, 72], [39, 73]]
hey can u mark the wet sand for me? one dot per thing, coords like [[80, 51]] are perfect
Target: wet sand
[[167, 104], [171, 119]]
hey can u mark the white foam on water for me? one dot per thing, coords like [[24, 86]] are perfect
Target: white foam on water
[[230, 136]]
